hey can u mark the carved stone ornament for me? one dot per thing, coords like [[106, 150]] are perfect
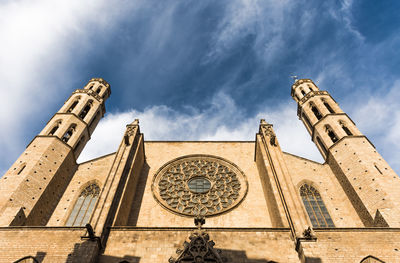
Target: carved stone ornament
[[199, 185], [90, 92], [130, 130], [200, 249], [312, 94], [102, 81]]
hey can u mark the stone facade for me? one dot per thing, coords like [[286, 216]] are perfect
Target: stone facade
[[197, 201]]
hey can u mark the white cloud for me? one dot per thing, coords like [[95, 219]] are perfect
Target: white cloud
[[222, 121], [35, 57]]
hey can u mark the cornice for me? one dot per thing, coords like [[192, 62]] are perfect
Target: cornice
[[299, 82], [102, 81]]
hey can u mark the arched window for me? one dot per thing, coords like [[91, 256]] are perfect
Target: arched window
[[80, 142], [27, 259], [297, 97], [94, 119], [69, 133], [315, 207], [91, 86], [303, 92], [72, 107], [84, 206], [344, 127], [85, 110], [307, 120], [322, 145], [331, 134], [371, 259], [315, 111], [310, 87], [98, 90], [55, 128], [328, 107]]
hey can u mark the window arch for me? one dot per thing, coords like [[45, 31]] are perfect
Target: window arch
[[84, 206], [371, 259], [322, 145], [345, 129], [310, 87], [98, 90], [327, 106], [303, 92], [315, 110], [27, 259], [73, 105], [315, 207], [69, 133], [86, 109], [331, 134], [55, 128]]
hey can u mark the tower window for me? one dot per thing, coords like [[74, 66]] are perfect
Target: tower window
[[307, 120], [328, 106], [55, 128], [303, 92], [84, 206], [316, 111], [21, 169], [98, 90], [80, 142], [297, 97], [315, 207], [69, 133], [322, 146], [345, 129], [310, 87], [331, 134], [85, 110], [73, 106]]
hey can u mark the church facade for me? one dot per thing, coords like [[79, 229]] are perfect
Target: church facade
[[200, 201]]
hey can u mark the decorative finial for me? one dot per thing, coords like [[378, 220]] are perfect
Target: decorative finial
[[262, 121], [294, 77], [135, 122], [199, 221]]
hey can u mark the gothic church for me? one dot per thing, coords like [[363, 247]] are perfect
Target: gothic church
[[200, 201]]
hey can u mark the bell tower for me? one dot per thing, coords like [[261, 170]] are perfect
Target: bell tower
[[370, 183], [31, 188]]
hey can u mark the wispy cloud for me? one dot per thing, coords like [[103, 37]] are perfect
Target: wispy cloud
[[223, 120]]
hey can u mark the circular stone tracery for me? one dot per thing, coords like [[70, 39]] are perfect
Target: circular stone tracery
[[199, 185]]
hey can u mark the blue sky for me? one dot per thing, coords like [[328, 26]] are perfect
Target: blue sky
[[199, 70]]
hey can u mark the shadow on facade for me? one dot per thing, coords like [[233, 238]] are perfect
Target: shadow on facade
[[134, 214], [313, 260], [239, 256], [124, 259]]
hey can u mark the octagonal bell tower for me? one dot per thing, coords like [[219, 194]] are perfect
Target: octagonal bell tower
[[32, 187], [370, 183]]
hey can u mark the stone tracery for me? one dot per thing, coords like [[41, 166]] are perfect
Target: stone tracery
[[228, 185]]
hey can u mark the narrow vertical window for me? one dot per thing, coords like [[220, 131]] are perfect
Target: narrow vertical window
[[73, 105], [345, 129], [94, 119], [85, 110], [55, 128], [84, 206], [310, 87], [80, 142], [331, 134], [297, 97], [98, 90], [315, 207], [315, 111], [307, 120], [21, 169], [303, 92], [328, 107], [69, 133], [322, 146]]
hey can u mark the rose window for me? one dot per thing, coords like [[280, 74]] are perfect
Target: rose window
[[199, 185]]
